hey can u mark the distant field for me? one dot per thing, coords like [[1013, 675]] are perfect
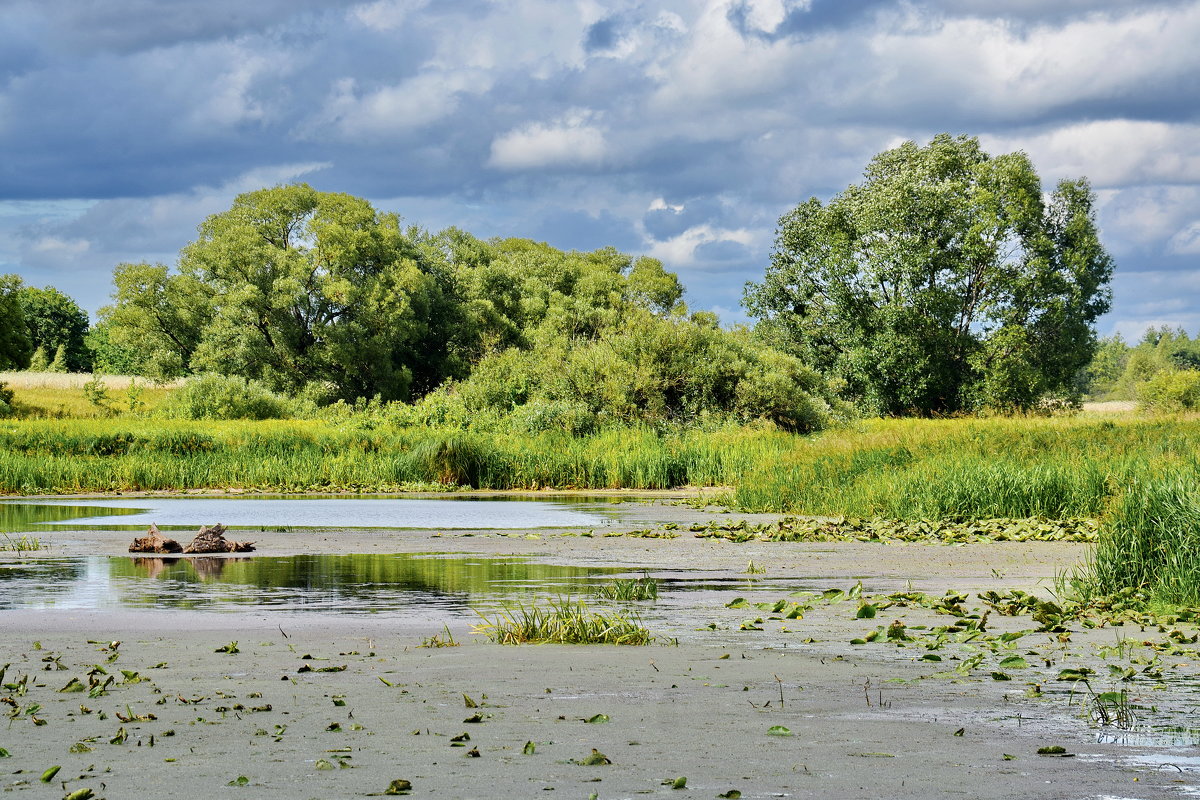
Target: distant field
[[58, 395]]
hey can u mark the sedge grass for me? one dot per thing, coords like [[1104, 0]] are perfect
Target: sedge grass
[[23, 543], [1151, 541], [629, 589], [562, 621]]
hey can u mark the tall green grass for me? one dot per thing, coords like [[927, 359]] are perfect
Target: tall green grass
[[563, 621], [1151, 541], [970, 469], [43, 456]]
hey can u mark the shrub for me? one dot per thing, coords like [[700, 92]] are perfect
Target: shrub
[[1171, 390], [6, 399], [213, 396]]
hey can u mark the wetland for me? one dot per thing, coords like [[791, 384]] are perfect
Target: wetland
[[335, 660]]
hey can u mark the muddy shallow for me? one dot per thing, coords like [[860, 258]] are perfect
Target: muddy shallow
[[866, 720]]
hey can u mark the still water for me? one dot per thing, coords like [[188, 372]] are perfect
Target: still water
[[28, 516], [372, 583]]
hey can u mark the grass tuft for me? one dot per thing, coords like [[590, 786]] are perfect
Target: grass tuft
[[630, 589], [563, 621]]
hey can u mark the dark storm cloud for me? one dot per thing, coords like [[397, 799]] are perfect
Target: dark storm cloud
[[125, 26]]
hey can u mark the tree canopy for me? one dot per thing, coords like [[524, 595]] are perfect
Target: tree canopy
[[57, 326], [944, 281], [318, 293], [15, 345]]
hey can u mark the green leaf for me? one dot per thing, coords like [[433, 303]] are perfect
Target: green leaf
[[1014, 662], [324, 764], [596, 759], [598, 718], [49, 774], [240, 780], [866, 611], [732, 794], [778, 730], [679, 783], [398, 786], [1000, 676], [529, 749]]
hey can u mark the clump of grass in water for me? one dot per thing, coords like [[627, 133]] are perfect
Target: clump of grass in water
[[1151, 540], [443, 639], [563, 621], [20, 544], [630, 589]]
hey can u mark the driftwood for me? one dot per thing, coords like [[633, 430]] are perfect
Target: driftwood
[[212, 540], [155, 542]]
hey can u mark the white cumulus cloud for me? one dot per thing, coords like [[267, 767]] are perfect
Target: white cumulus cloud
[[574, 141]]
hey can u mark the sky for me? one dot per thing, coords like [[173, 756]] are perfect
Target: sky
[[679, 129]]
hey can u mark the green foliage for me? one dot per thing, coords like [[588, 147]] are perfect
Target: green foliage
[[563, 621], [213, 396], [39, 362], [56, 325], [156, 316], [1152, 540], [1171, 390], [59, 364], [96, 392], [317, 294], [968, 469], [15, 345], [6, 401], [646, 368], [106, 355], [311, 455], [941, 283]]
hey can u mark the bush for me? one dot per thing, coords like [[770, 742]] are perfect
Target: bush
[[540, 416], [6, 399], [1174, 390], [213, 396]]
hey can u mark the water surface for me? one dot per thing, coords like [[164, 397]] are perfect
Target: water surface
[[178, 513]]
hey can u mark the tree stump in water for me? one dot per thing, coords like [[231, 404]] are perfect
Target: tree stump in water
[[155, 542], [212, 540]]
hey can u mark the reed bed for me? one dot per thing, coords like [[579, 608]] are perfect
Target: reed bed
[[971, 469], [64, 456], [1150, 541]]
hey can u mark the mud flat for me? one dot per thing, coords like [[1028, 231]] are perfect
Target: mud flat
[[734, 696]]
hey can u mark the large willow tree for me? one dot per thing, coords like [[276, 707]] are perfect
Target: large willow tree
[[944, 281]]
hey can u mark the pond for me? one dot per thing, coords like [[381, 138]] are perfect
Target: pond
[[420, 586], [175, 513]]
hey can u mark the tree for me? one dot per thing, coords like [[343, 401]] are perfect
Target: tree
[[944, 281], [156, 316], [15, 345], [55, 322]]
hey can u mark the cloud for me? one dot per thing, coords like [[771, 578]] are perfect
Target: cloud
[[684, 128], [573, 141], [76, 245], [393, 110], [1113, 153]]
